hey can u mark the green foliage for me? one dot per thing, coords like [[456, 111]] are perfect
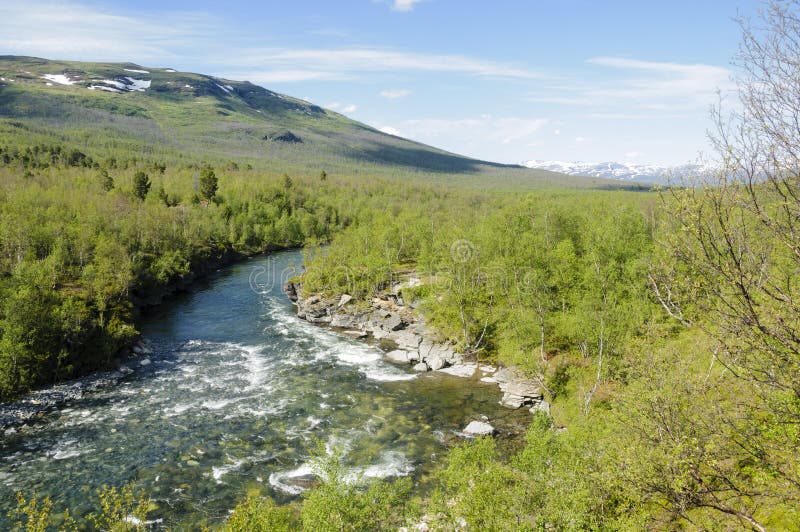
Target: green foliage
[[208, 183], [122, 509], [340, 504], [260, 514], [141, 185], [33, 515]]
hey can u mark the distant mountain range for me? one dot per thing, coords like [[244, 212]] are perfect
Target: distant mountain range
[[640, 173]]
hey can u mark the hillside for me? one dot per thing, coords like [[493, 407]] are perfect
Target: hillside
[[179, 115]]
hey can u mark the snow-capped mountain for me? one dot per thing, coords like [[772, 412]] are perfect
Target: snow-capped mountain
[[642, 173]]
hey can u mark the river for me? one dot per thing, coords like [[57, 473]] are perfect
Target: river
[[235, 395]]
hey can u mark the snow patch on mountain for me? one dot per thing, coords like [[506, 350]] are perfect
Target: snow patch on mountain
[[642, 173], [61, 79], [139, 85], [136, 71], [103, 88], [121, 84]]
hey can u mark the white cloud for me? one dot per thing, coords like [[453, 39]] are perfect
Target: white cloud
[[337, 106], [286, 76], [486, 136], [656, 86], [262, 64], [71, 30], [390, 131], [581, 140], [90, 31], [394, 94], [404, 5]]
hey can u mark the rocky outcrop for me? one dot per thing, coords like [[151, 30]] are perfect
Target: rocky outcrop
[[383, 318], [388, 319]]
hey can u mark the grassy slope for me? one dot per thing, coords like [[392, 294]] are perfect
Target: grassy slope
[[185, 116]]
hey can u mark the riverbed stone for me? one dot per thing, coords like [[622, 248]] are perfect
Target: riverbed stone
[[521, 388], [435, 362], [393, 323], [345, 321], [460, 370], [425, 348], [344, 300], [406, 339], [398, 356], [512, 401], [504, 375], [421, 367], [541, 406], [478, 428]]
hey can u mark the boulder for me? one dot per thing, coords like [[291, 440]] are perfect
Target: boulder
[[345, 299], [345, 321], [422, 366], [393, 323], [435, 362], [291, 290], [398, 356], [541, 406], [478, 428], [406, 339], [504, 375], [413, 356], [425, 348], [522, 388], [356, 334], [512, 401], [379, 334]]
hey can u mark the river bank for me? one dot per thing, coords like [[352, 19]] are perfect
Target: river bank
[[16, 415], [36, 403], [409, 341]]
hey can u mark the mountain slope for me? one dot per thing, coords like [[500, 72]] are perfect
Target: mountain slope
[[175, 115]]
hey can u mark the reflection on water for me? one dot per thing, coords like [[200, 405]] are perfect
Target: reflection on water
[[236, 393]]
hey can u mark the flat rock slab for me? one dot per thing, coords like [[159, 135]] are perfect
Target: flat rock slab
[[397, 356], [478, 428], [521, 388], [356, 334], [461, 370]]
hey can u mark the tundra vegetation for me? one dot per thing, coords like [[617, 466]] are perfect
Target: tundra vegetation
[[662, 326]]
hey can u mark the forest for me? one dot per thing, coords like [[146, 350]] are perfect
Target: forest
[[662, 325]]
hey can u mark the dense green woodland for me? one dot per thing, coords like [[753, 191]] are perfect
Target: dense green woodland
[[663, 326], [567, 285]]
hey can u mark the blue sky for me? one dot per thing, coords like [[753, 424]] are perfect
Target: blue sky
[[508, 81]]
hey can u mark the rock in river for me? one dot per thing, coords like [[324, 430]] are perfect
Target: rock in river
[[398, 356], [478, 428]]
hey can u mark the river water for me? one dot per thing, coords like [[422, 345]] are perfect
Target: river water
[[236, 394]]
